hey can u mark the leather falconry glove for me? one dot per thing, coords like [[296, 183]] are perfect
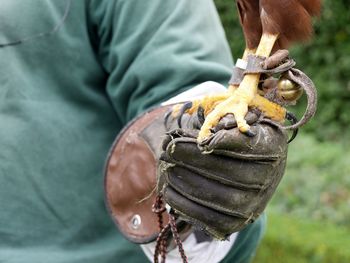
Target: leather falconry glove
[[226, 183], [219, 188]]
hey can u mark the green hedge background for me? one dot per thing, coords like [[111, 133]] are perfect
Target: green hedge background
[[309, 214]]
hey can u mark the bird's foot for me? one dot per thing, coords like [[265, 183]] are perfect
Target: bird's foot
[[238, 104], [206, 104], [236, 101]]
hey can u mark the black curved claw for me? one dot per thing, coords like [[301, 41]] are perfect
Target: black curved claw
[[200, 115], [184, 108], [166, 118], [293, 120], [249, 133]]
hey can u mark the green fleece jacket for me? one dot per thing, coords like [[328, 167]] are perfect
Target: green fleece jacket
[[65, 95]]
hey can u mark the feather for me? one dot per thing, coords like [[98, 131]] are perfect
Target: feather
[[249, 14], [290, 19], [287, 18], [313, 7]]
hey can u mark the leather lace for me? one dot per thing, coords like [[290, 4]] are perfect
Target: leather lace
[[161, 242]]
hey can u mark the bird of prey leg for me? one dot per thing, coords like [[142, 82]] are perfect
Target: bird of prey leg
[[268, 26], [244, 96], [280, 22]]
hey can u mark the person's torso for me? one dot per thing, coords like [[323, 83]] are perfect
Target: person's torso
[[56, 126]]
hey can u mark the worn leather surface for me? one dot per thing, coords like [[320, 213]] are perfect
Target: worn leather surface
[[219, 187], [308, 86], [130, 177], [256, 64], [236, 76], [225, 184]]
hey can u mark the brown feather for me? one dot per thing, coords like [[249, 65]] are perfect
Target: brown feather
[[249, 14], [289, 19], [313, 7]]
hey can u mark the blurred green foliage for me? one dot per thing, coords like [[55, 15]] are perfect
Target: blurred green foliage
[[290, 239], [326, 59], [316, 184], [308, 218]]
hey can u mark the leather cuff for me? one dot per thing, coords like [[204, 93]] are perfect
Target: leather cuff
[[236, 76], [256, 66], [130, 177]]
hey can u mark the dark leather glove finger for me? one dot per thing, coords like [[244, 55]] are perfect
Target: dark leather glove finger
[[229, 186], [184, 152], [179, 133], [214, 223], [226, 183], [236, 201]]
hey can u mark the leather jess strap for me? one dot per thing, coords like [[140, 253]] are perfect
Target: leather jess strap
[[276, 64], [280, 63]]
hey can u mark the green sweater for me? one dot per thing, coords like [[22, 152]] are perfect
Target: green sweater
[[64, 98]]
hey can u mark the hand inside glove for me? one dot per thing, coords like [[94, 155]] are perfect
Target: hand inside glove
[[220, 186], [225, 183]]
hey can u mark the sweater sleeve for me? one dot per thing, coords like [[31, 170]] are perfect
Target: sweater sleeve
[[152, 50]]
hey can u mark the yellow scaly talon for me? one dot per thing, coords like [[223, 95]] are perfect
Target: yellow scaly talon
[[243, 97], [237, 104]]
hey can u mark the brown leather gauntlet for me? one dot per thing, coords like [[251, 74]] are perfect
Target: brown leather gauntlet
[[130, 176]]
